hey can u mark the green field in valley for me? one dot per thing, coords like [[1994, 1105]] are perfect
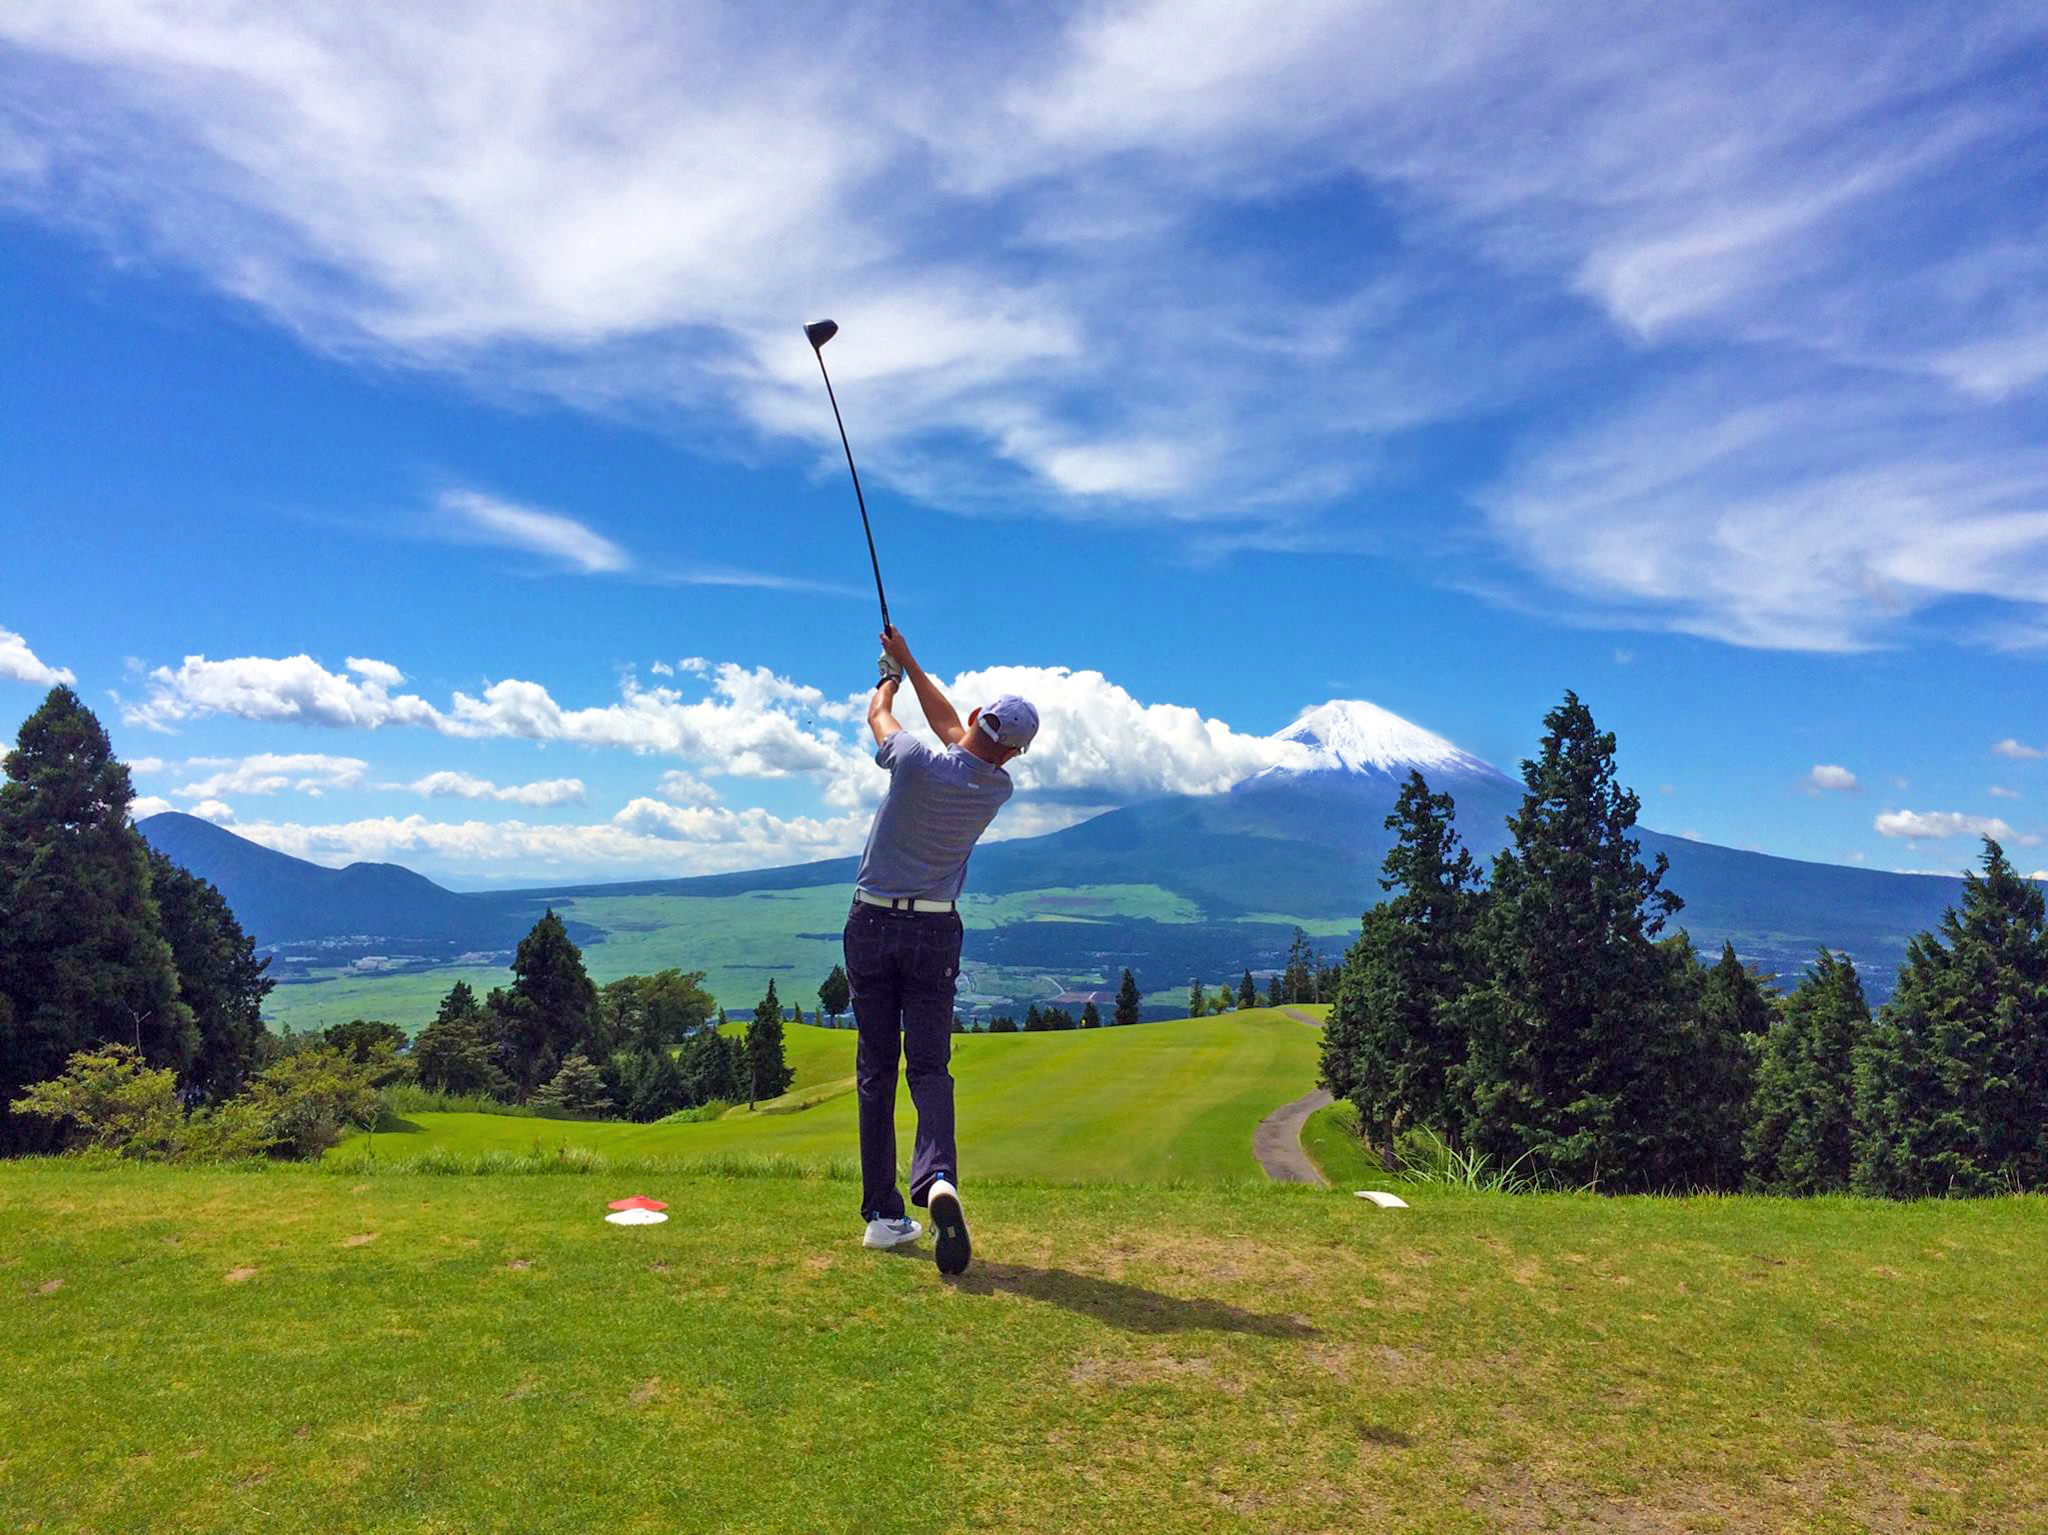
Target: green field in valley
[[294, 1350], [725, 936], [1158, 1102]]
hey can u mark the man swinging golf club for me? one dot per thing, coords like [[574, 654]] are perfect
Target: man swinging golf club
[[903, 939]]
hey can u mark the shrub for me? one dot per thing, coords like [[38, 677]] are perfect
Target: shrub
[[107, 1100]]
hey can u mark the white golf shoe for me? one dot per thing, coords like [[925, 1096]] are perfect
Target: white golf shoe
[[952, 1249], [884, 1233]]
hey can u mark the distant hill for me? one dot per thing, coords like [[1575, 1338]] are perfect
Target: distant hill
[[1301, 843], [334, 915]]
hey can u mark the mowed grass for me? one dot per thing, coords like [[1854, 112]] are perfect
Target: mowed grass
[[1157, 1102], [295, 1351]]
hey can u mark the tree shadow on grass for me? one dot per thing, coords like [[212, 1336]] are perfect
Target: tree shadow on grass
[[1122, 1305]]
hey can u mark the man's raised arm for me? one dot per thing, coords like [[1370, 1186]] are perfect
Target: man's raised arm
[[938, 709]]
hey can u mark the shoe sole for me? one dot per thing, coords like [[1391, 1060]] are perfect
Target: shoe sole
[[952, 1248], [882, 1247]]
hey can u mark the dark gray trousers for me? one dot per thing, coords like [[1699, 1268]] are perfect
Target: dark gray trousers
[[903, 966]]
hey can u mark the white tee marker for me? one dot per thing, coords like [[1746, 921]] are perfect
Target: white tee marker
[[1384, 1200]]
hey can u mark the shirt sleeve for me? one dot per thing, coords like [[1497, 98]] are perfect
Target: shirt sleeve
[[902, 750]]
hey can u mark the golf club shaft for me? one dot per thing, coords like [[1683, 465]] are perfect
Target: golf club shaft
[[857, 496]]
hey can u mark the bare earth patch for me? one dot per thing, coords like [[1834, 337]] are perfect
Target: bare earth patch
[[518, 1265], [646, 1391], [49, 1287], [362, 1239], [236, 1276]]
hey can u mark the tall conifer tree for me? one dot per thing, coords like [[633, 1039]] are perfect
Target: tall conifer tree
[[83, 957], [1803, 1113], [1952, 1083]]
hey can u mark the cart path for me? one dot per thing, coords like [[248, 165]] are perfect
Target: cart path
[[1277, 1141]]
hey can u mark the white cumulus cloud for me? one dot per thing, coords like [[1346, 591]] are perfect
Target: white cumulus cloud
[[546, 792], [267, 773], [146, 805], [680, 788], [1826, 777], [23, 665], [1937, 824], [2018, 752], [215, 811]]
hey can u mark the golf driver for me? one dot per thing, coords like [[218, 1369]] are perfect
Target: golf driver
[[818, 332]]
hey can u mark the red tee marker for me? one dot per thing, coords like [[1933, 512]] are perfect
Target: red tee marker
[[637, 1202]]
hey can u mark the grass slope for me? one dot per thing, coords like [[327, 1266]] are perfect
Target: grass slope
[[1157, 1102], [290, 1351]]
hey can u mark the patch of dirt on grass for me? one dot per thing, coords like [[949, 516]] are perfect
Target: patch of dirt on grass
[[1381, 1434], [361, 1239], [519, 1265], [1137, 1372], [527, 1385], [237, 1276], [657, 1268], [645, 1392], [49, 1287]]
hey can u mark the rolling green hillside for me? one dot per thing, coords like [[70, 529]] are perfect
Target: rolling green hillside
[[1155, 1103]]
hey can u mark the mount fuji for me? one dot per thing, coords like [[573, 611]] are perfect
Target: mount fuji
[[1299, 843]]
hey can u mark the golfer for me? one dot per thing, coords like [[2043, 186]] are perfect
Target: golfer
[[903, 939]]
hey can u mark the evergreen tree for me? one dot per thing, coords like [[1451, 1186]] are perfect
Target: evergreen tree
[[768, 1073], [1801, 1137], [1002, 1023], [578, 1087], [959, 1024], [1736, 997], [1091, 1016], [1952, 1084], [1579, 1051], [219, 978], [620, 1018], [1127, 1002], [550, 1012], [836, 995], [1298, 980], [710, 1068], [83, 957], [452, 1055], [1034, 1021], [1388, 1045], [1197, 1003], [1223, 1001], [363, 1040], [1247, 993], [658, 1087], [1058, 1019]]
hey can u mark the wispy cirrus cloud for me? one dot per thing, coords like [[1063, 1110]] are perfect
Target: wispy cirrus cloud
[[2017, 751], [1811, 236], [561, 540]]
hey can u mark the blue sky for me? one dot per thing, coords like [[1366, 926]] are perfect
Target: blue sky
[[411, 448]]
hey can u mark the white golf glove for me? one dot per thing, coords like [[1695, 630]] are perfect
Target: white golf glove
[[891, 668]]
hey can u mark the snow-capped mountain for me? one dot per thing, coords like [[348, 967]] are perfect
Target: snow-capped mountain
[[1350, 735]]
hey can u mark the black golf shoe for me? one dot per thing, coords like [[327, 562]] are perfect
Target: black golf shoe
[[949, 1227]]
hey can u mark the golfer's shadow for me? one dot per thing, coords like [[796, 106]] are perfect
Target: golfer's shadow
[[1122, 1305]]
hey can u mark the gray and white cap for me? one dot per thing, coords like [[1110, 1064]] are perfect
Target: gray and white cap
[[1009, 721]]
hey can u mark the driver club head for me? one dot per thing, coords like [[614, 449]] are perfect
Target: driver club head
[[818, 332]]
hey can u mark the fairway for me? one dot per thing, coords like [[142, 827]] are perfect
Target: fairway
[[1153, 1103], [291, 1350]]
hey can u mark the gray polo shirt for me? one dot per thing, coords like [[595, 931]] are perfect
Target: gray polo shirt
[[938, 804]]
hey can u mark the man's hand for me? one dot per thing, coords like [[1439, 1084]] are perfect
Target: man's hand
[[896, 648], [890, 668]]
